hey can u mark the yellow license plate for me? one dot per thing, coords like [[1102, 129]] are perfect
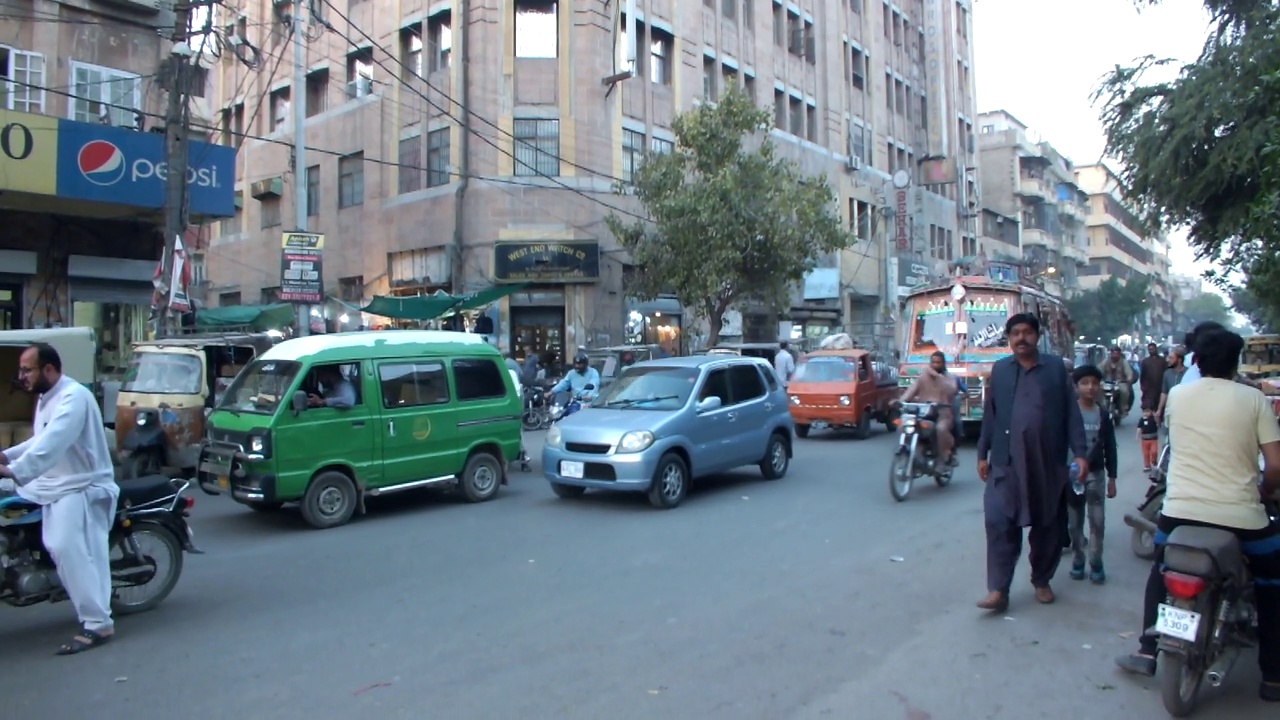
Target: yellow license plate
[[224, 483]]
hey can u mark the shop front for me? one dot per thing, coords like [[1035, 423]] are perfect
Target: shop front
[[17, 267], [656, 322], [112, 296], [557, 273]]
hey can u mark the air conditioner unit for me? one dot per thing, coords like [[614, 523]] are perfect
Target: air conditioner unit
[[282, 112], [853, 164], [359, 87]]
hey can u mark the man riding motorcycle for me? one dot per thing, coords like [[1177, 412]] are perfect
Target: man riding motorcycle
[[1116, 369], [1217, 428], [935, 385], [577, 379]]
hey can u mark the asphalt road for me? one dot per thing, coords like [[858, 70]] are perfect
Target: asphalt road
[[816, 596]]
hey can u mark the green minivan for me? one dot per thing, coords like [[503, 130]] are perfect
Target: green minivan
[[328, 420]]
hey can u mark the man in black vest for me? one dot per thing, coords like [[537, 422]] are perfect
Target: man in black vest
[[1031, 425]]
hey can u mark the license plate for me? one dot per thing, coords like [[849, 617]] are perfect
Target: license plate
[[1176, 622], [571, 469], [820, 425], [224, 482]]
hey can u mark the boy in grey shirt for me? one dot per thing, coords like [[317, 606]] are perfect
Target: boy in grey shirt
[[1100, 437]]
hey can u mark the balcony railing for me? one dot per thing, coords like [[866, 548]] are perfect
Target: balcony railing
[[1036, 236], [1070, 210], [1033, 188]]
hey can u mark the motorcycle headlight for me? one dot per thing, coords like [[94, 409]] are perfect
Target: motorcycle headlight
[[844, 399], [795, 400], [142, 421], [908, 419], [635, 441], [553, 437]]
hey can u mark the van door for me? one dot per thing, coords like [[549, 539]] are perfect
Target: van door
[[322, 436], [486, 411], [418, 423]]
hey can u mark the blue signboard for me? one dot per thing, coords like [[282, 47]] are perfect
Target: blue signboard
[[106, 164]]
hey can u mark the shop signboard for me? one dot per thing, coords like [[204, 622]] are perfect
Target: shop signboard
[[117, 166], [301, 268], [552, 261]]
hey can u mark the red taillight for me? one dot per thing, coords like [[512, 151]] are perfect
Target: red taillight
[[926, 425], [188, 502], [1183, 587]]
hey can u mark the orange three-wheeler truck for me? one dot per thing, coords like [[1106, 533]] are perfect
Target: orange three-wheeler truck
[[849, 388]]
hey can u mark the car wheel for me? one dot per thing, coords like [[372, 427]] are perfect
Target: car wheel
[[863, 430], [568, 492], [330, 501], [775, 462], [480, 478], [670, 482], [802, 431]]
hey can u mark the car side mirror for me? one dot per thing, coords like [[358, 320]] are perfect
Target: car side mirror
[[589, 386], [708, 404], [299, 402]]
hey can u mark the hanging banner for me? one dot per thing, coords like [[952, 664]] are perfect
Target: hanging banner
[[301, 277], [180, 278]]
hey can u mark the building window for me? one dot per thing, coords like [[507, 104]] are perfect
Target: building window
[[796, 126], [440, 40], [749, 87], [809, 46], [438, 157], [729, 76], [661, 146], [104, 94], [537, 147], [270, 210], [233, 125], [795, 35], [779, 26], [411, 50], [537, 29], [360, 74], [351, 180], [780, 110], [888, 91], [857, 68], [856, 6], [632, 153], [729, 8], [708, 79], [860, 223], [278, 103], [21, 80], [811, 122], [857, 142], [317, 92], [313, 191], [410, 161], [660, 47], [748, 13], [970, 246]]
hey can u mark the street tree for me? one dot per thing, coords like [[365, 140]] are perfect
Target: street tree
[[1109, 311], [1206, 307], [1202, 150], [729, 219]]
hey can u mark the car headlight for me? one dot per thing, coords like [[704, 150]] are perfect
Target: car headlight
[[795, 400], [256, 444], [844, 399], [635, 441], [553, 437]]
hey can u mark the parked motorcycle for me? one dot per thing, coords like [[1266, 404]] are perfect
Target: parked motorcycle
[[536, 415], [1110, 394], [1209, 614], [1143, 540], [916, 454], [147, 541]]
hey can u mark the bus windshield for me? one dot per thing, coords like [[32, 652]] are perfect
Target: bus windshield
[[934, 316]]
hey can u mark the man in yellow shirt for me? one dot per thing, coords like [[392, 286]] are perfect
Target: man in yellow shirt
[[1217, 427]]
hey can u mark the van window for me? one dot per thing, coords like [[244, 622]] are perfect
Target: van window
[[746, 381], [333, 380], [413, 384], [477, 379]]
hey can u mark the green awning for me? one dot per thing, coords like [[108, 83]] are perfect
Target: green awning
[[491, 294], [430, 307], [259, 317]]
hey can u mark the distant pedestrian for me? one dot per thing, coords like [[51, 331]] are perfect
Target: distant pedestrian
[[1149, 438], [1151, 376], [1029, 424], [784, 364], [1100, 438]]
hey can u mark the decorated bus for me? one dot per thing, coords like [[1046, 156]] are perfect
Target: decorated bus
[[964, 317]]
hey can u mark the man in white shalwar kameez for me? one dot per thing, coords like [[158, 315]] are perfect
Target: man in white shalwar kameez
[[66, 468]]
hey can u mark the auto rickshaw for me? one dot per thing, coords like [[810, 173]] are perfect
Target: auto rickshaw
[[169, 388], [78, 348], [1261, 357]]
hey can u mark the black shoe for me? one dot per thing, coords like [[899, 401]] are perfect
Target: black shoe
[[1138, 664]]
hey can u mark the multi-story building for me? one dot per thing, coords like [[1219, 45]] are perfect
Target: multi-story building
[[454, 145], [1028, 180], [1121, 246], [81, 175]]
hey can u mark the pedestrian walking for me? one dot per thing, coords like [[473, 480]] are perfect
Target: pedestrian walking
[[1151, 376], [1149, 439], [1030, 421], [783, 364], [1089, 501]]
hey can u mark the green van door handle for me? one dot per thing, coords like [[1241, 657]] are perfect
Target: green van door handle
[[357, 423]]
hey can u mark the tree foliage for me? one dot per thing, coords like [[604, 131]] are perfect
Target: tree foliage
[[1205, 307], [729, 218], [1259, 297], [1201, 150], [1109, 311]]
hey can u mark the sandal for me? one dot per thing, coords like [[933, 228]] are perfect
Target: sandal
[[86, 640]]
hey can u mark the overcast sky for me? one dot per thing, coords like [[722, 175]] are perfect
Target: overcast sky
[[1041, 61]]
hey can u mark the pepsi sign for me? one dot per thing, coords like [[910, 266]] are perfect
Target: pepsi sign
[[112, 165]]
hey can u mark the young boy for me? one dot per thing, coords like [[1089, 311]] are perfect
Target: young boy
[[1149, 434], [1100, 436]]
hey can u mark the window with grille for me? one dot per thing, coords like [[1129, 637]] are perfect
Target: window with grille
[[410, 161], [438, 157], [632, 153], [351, 180], [537, 147], [105, 95], [21, 80]]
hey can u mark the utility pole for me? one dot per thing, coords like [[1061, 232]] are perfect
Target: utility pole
[[298, 98], [175, 133]]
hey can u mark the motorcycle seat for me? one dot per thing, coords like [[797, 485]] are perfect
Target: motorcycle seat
[[139, 491], [1203, 551]]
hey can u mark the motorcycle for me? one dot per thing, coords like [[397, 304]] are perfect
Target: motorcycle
[[916, 454], [1110, 394], [536, 415], [1209, 614], [564, 407], [150, 510], [1143, 539]]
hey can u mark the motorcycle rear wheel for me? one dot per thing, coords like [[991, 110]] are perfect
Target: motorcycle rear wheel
[[532, 420], [162, 585], [900, 479], [1179, 684], [1143, 542]]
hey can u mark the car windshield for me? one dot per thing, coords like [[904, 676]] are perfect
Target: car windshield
[[260, 388], [826, 369], [163, 373], [651, 387]]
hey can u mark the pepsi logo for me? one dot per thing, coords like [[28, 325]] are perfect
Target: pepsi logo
[[101, 163]]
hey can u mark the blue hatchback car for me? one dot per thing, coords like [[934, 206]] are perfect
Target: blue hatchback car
[[663, 423]]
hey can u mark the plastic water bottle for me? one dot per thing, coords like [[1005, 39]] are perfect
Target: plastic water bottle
[[1076, 486]]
